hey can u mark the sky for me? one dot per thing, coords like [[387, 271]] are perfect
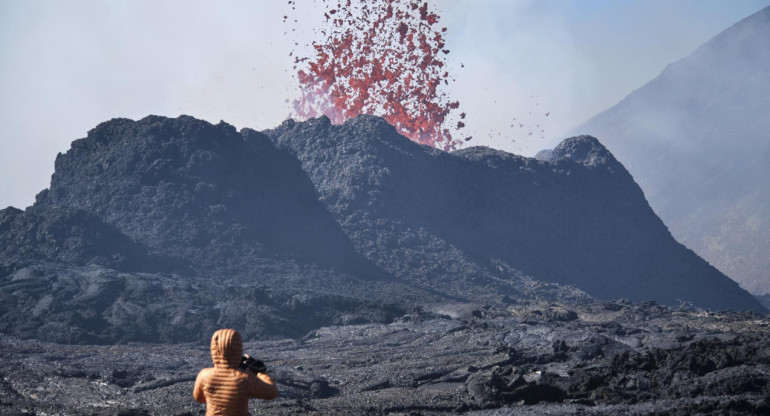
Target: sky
[[67, 66]]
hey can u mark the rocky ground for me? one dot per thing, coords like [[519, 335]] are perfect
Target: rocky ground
[[524, 358]]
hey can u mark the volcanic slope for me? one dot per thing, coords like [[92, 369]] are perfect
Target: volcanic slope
[[697, 139], [165, 229], [470, 217]]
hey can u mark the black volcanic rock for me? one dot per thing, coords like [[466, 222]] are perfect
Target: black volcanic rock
[[201, 208], [697, 140], [585, 150], [96, 305], [199, 192], [163, 229], [72, 236], [615, 358], [470, 218]]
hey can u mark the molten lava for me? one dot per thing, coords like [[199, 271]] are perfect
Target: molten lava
[[385, 58]]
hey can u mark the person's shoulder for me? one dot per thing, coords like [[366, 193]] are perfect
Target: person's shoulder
[[244, 376], [206, 372]]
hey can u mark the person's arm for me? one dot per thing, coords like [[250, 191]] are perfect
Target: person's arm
[[263, 387], [198, 389]]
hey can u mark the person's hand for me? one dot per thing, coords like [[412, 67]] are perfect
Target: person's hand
[[252, 365]]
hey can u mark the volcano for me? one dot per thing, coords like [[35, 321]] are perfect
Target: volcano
[[165, 229]]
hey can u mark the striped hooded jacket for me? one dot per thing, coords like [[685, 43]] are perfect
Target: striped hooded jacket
[[225, 389]]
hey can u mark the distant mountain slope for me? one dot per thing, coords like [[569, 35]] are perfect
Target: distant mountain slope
[[697, 139], [165, 229]]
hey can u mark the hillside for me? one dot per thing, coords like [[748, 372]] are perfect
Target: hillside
[[472, 216]]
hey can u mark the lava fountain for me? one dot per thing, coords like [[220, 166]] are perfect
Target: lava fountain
[[384, 58]]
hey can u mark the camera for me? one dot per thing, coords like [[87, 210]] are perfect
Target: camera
[[252, 365]]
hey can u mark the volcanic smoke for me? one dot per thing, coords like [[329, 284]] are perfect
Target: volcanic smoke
[[385, 58]]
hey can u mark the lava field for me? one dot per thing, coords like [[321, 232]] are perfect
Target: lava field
[[526, 358]]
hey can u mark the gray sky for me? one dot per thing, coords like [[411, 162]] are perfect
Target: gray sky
[[67, 66]]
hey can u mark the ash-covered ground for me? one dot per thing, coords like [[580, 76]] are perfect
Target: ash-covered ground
[[526, 358]]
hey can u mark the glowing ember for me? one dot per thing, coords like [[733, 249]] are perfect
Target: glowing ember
[[381, 57]]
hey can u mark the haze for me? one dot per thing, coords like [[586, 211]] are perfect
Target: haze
[[65, 67]]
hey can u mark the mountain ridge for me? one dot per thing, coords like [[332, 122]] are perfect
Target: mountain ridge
[[446, 201], [354, 220]]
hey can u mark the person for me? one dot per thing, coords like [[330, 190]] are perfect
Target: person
[[224, 388]]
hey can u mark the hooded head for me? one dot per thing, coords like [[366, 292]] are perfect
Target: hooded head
[[226, 348]]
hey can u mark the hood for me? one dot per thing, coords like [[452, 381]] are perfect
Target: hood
[[226, 348]]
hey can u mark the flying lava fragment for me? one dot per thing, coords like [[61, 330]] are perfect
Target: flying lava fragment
[[385, 58]]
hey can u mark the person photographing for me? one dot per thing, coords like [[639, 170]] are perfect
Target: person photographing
[[227, 387]]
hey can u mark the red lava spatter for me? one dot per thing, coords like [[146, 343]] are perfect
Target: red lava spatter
[[385, 58]]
